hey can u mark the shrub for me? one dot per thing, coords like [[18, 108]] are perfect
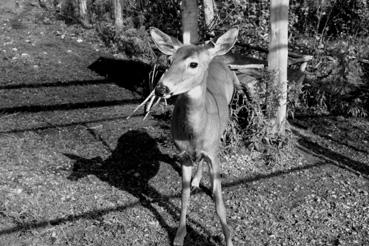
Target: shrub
[[132, 42], [340, 83], [252, 107]]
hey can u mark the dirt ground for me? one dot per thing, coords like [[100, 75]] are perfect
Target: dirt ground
[[75, 171]]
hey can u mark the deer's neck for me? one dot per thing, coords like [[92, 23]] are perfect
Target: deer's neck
[[196, 99], [196, 96], [190, 110]]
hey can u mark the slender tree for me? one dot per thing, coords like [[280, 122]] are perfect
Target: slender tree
[[278, 61], [190, 13], [209, 12], [118, 14], [83, 16]]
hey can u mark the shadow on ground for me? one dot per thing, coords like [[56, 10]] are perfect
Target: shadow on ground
[[129, 74], [307, 144], [132, 164], [66, 106], [345, 132]]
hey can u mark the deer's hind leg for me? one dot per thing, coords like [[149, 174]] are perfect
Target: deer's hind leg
[[214, 168]]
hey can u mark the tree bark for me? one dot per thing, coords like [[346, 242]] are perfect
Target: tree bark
[[190, 13], [209, 12], [83, 15], [118, 15], [277, 64]]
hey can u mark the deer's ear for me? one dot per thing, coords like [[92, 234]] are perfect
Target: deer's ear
[[225, 42], [165, 43]]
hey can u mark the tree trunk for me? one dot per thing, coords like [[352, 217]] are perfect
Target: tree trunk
[[277, 64], [209, 9], [190, 13], [118, 16], [83, 16]]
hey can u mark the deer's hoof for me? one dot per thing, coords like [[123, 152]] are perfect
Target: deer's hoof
[[228, 236], [195, 183], [195, 189], [180, 236]]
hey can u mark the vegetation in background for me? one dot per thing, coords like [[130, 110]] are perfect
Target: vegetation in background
[[250, 119], [334, 32]]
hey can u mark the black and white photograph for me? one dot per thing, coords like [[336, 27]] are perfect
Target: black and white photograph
[[184, 123]]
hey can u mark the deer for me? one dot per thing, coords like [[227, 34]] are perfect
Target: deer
[[204, 87]]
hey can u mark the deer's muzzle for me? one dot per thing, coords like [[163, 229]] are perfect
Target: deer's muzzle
[[162, 91]]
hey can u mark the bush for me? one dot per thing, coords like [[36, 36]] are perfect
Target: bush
[[340, 82], [131, 42], [252, 107], [331, 18]]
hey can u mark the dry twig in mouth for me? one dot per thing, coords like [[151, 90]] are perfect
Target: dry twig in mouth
[[150, 106], [152, 76], [150, 100], [151, 96]]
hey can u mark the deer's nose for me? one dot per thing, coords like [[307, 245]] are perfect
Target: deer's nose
[[161, 90]]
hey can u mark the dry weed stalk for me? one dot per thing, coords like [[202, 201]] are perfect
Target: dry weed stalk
[[150, 100]]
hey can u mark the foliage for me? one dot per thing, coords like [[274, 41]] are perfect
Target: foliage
[[130, 41], [331, 18], [338, 29], [100, 10], [251, 16], [294, 92], [332, 31], [251, 109], [340, 82], [165, 15]]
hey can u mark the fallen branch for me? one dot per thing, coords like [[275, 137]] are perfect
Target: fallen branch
[[246, 66]]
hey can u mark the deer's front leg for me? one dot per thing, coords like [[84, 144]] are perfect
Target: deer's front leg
[[195, 184], [186, 191]]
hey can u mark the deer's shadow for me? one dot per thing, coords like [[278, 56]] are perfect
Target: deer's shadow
[[131, 165]]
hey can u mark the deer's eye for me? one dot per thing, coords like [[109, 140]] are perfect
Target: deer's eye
[[193, 65]]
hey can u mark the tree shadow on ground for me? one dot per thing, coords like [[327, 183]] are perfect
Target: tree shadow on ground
[[129, 74], [65, 106], [339, 130], [132, 164], [340, 160]]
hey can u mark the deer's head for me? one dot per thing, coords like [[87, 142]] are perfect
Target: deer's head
[[189, 62]]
